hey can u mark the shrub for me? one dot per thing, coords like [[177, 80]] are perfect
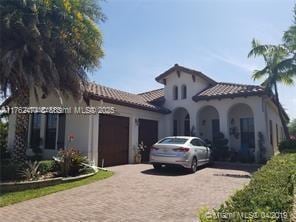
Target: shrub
[[287, 145], [70, 161], [269, 191], [9, 171], [46, 166], [220, 148], [30, 170]]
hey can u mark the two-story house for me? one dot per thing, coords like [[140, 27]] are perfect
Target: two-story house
[[190, 103]]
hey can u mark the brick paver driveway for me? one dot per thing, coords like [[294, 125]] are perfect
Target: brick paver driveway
[[136, 193]]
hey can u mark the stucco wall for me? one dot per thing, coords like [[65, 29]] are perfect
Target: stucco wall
[[223, 106], [85, 128], [132, 114], [272, 114], [184, 79], [205, 116], [235, 113]]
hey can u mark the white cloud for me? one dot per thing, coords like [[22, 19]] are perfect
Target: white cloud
[[233, 61]]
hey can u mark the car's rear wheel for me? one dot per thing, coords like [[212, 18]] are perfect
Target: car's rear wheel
[[157, 166], [193, 168]]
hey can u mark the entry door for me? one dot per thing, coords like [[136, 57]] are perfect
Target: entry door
[[247, 133], [187, 126], [148, 134], [113, 140], [215, 128]]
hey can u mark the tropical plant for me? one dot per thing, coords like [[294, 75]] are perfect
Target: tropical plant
[[30, 170], [289, 38], [70, 161], [275, 71], [46, 46]]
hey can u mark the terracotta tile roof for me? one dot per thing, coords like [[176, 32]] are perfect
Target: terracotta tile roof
[[177, 67], [96, 91], [153, 95], [228, 90]]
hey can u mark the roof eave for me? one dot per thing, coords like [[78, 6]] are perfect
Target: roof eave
[[132, 105], [197, 98], [186, 70]]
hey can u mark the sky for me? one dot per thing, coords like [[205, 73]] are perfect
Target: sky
[[143, 38]]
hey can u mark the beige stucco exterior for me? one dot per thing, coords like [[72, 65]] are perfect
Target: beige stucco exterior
[[228, 110]]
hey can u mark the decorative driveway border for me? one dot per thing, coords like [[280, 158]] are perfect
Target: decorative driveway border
[[137, 193]]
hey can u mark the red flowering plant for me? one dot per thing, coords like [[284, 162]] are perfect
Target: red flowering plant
[[70, 160]]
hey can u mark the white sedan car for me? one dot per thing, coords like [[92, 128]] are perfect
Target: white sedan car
[[189, 152]]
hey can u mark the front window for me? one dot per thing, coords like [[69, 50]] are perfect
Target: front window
[[50, 131], [175, 92], [175, 127], [35, 130], [184, 92], [247, 132]]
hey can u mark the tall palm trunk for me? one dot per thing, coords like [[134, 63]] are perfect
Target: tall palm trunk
[[284, 124], [21, 127]]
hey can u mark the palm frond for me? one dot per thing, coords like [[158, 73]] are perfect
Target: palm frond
[[287, 78], [51, 46], [259, 74], [287, 64]]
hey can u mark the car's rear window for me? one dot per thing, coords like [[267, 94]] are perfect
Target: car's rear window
[[173, 141]]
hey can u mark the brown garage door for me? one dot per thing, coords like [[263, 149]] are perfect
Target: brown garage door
[[148, 133], [113, 140]]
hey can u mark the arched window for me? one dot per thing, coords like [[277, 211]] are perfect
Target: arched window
[[184, 92], [175, 92]]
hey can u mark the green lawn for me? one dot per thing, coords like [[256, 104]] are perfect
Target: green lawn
[[14, 197]]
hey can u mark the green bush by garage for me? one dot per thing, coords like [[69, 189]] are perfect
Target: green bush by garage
[[269, 194], [288, 146]]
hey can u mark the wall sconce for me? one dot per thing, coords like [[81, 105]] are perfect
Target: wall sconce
[[232, 121], [137, 121], [233, 131]]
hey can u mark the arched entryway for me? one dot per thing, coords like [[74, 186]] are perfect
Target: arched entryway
[[241, 128], [208, 123], [181, 122]]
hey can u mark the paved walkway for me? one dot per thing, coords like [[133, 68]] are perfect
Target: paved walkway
[[135, 193]]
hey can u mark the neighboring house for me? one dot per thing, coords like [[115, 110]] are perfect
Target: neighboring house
[[190, 103]]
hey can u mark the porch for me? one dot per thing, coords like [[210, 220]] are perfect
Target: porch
[[239, 122]]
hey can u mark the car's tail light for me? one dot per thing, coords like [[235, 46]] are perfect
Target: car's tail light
[[154, 148], [181, 149]]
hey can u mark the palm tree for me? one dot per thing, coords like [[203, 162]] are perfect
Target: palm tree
[[289, 37], [289, 40], [275, 71], [47, 45]]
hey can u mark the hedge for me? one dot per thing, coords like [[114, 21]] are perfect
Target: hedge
[[287, 146], [46, 166], [11, 171], [268, 196]]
